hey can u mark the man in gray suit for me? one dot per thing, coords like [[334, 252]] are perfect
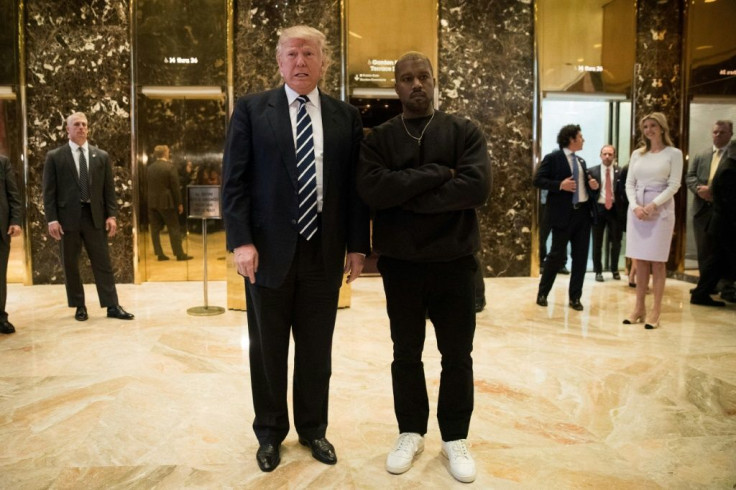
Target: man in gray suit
[[164, 203], [698, 179], [10, 219], [80, 206]]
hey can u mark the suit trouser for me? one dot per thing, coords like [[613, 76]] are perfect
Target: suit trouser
[[305, 306], [445, 292], [95, 243], [544, 231], [606, 219], [4, 256], [704, 242], [721, 264], [157, 218], [577, 233]]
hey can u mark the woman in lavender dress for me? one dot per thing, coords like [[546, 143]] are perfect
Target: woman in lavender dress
[[655, 172]]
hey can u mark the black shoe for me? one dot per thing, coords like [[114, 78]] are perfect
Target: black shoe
[[705, 301], [81, 314], [542, 300], [576, 305], [6, 327], [119, 313], [321, 448], [616, 276], [599, 277], [563, 271], [268, 457], [729, 296], [162, 258], [480, 305], [184, 257]]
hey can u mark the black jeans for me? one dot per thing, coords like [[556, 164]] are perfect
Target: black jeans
[[445, 292]]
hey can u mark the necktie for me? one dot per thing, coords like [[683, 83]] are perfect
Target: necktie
[[83, 177], [714, 165], [609, 189], [306, 171], [575, 174]]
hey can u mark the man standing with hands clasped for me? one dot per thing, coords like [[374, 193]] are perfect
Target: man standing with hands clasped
[[291, 213], [609, 213], [425, 173], [571, 204]]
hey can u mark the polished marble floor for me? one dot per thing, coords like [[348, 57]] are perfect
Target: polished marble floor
[[563, 399]]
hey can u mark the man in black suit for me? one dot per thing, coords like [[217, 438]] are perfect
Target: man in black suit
[[721, 230], [607, 174], [571, 208], [80, 206], [11, 213], [291, 212], [164, 203]]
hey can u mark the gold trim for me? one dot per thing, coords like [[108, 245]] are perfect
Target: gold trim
[[136, 236], [22, 104]]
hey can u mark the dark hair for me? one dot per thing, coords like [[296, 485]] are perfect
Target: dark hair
[[567, 133], [411, 55]]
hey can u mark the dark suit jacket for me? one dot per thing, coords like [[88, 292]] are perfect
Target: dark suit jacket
[[698, 173], [163, 185], [260, 184], [61, 198], [723, 223], [11, 210], [549, 175]]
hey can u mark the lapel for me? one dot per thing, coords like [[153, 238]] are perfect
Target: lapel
[[330, 141], [68, 162], [94, 167], [278, 118]]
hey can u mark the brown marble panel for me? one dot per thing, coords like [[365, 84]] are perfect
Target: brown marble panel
[[78, 58], [486, 60]]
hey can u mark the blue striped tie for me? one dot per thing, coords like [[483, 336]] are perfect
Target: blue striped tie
[[306, 171]]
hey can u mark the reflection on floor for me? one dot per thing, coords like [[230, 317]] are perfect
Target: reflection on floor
[[190, 270], [563, 399]]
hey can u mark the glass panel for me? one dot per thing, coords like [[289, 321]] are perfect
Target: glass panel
[[375, 42], [194, 131], [8, 37], [712, 48]]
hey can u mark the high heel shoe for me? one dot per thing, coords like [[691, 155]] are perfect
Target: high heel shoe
[[636, 320], [651, 325]]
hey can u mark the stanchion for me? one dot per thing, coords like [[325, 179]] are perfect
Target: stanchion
[[205, 310]]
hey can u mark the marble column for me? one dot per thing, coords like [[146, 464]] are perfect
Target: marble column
[[486, 73], [78, 59], [658, 85]]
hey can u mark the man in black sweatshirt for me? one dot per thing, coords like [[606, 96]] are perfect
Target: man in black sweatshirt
[[424, 173]]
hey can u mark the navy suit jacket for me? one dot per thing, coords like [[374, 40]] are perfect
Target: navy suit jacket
[[549, 175], [61, 199], [259, 192], [11, 210]]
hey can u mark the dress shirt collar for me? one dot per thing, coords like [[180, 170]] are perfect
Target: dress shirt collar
[[75, 147], [313, 96]]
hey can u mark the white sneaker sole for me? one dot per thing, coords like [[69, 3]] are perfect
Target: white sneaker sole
[[460, 478], [403, 469]]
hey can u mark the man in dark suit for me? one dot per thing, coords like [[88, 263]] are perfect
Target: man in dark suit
[[164, 203], [608, 176], [571, 208], [291, 212], [721, 230], [11, 213], [80, 206], [698, 179]]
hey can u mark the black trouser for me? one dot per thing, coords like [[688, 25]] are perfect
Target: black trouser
[[721, 264], [544, 231], [445, 292], [157, 218], [95, 243], [4, 256], [305, 306], [607, 219], [577, 233]]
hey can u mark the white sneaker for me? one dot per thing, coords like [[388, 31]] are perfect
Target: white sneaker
[[408, 445], [462, 465]]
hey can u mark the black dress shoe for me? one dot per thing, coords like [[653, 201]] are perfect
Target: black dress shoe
[[6, 327], [184, 257], [321, 448], [542, 300], [705, 301], [480, 305], [564, 270], [162, 258], [576, 305], [81, 314], [119, 313], [599, 277], [616, 276], [268, 457]]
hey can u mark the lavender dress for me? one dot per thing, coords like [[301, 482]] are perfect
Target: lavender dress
[[652, 177]]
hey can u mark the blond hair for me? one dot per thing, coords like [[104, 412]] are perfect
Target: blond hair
[[644, 144], [308, 34]]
